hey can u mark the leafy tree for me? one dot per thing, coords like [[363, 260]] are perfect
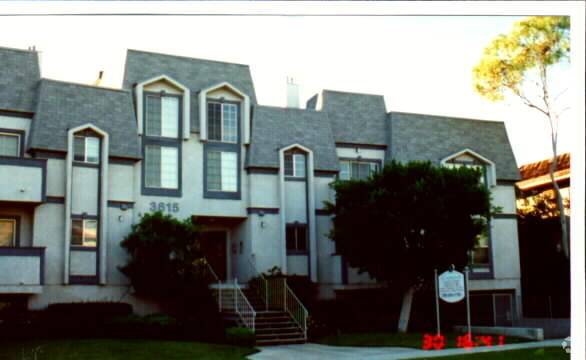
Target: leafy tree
[[163, 255], [407, 220], [167, 264], [513, 63]]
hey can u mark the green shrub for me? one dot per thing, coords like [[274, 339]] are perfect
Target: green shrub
[[240, 337]]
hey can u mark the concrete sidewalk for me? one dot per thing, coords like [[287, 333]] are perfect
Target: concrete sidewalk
[[312, 351]]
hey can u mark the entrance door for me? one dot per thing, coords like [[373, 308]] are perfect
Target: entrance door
[[213, 244], [503, 310]]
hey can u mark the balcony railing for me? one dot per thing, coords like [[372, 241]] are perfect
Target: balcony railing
[[22, 270]]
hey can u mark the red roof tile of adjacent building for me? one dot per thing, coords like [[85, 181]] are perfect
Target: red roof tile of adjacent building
[[540, 168]]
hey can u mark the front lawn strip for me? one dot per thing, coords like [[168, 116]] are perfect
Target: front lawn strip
[[409, 340], [111, 349]]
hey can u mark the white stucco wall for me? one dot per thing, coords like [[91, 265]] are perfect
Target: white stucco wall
[[82, 263], [85, 190], [295, 202], [267, 244], [121, 182], [55, 177], [264, 190], [20, 270], [49, 231], [297, 265], [504, 196], [28, 186]]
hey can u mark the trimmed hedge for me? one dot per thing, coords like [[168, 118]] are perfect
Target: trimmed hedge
[[240, 337]]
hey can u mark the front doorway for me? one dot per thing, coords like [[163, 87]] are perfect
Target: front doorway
[[213, 244]]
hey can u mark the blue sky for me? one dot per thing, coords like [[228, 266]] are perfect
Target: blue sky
[[421, 64]]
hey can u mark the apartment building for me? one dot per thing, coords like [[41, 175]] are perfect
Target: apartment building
[[79, 164]]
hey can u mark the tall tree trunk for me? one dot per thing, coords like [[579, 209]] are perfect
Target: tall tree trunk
[[406, 309], [560, 204]]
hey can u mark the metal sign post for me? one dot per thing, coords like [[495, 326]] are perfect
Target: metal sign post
[[466, 271], [437, 310]]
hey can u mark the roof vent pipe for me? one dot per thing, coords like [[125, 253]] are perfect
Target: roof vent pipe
[[292, 94]]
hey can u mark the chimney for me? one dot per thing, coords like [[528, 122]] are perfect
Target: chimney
[[292, 94], [99, 79]]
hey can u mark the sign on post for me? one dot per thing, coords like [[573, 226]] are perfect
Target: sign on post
[[451, 286]]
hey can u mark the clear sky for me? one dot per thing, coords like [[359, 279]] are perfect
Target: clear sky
[[421, 64]]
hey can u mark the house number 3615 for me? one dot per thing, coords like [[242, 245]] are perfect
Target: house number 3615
[[161, 206]]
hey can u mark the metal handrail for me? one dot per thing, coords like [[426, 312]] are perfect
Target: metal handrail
[[264, 295], [300, 314], [249, 309]]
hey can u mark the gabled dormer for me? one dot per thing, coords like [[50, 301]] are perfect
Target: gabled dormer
[[224, 114], [469, 158], [162, 108]]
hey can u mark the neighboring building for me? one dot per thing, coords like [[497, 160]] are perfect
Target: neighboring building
[[79, 164], [536, 182]]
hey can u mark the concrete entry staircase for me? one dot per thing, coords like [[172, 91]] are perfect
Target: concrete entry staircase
[[272, 327]]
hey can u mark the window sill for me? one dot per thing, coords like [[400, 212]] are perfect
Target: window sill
[[297, 252], [223, 195], [294, 178], [161, 192], [86, 164], [83, 248]]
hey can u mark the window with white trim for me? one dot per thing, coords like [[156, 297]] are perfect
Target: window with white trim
[[357, 170], [295, 164], [162, 115], [9, 144], [161, 167], [84, 232], [223, 122], [480, 253], [222, 171], [7, 232], [86, 149]]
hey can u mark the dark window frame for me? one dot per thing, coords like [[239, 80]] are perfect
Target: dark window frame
[[296, 228], [87, 134], [21, 139], [293, 153], [17, 222], [220, 146], [359, 160], [83, 220], [221, 102], [163, 142]]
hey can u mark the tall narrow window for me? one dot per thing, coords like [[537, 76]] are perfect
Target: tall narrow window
[[162, 145], [9, 144], [84, 233], [296, 236], [295, 164], [223, 122], [162, 116], [161, 167], [222, 171], [7, 232], [86, 149]]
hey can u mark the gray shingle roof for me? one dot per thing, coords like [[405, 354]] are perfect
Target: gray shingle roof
[[274, 128], [62, 106], [429, 137], [19, 76], [195, 74], [356, 118]]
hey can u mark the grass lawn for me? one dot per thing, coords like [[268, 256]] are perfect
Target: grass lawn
[[105, 349], [549, 353], [412, 340]]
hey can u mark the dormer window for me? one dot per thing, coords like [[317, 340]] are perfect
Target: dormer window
[[86, 149], [470, 159], [223, 122], [162, 115], [295, 164], [9, 144]]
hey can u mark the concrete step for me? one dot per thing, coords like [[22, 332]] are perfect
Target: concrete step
[[278, 330]]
